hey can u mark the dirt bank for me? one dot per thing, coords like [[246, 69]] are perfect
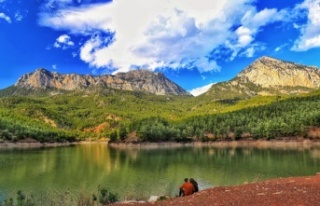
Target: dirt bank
[[31, 145], [292, 191]]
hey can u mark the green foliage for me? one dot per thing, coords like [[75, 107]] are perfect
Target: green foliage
[[8, 202], [105, 197], [73, 116], [22, 200], [161, 198], [287, 118], [154, 129], [113, 136], [122, 132]]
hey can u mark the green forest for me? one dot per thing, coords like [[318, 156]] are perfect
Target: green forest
[[119, 115]]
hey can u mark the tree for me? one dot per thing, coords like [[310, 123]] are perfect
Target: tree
[[113, 136], [122, 132]]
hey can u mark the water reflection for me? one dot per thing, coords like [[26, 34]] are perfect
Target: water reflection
[[139, 173]]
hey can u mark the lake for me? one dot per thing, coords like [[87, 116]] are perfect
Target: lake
[[68, 172]]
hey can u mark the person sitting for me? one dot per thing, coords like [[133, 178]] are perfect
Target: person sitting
[[186, 188], [195, 185]]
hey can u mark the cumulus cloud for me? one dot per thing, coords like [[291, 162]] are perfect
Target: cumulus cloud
[[5, 17], [252, 22], [310, 33], [126, 34], [64, 42], [200, 90]]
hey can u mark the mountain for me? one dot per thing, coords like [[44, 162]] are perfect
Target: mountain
[[268, 76], [138, 80], [124, 114]]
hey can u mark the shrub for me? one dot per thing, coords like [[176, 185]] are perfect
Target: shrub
[[105, 197]]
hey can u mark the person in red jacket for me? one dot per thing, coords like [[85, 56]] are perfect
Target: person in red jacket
[[186, 189]]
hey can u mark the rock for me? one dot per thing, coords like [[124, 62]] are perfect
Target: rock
[[261, 194], [153, 199], [137, 80], [270, 73]]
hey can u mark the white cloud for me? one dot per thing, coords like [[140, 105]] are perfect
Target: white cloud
[[254, 19], [18, 16], [205, 65], [252, 22], [200, 90], [310, 33], [5, 17], [83, 20], [281, 47], [54, 66], [249, 52], [277, 49], [244, 36], [64, 42], [160, 33]]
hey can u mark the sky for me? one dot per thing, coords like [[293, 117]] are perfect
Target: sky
[[195, 43]]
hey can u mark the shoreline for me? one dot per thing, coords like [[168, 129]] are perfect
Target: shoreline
[[35, 144], [259, 144], [32, 145]]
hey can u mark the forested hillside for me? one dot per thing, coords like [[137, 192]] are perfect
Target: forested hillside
[[117, 115], [294, 117], [80, 115]]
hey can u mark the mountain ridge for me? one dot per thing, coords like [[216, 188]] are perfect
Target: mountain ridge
[[137, 80], [266, 76]]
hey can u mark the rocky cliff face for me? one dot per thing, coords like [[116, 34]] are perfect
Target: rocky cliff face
[[269, 76], [138, 80], [268, 72]]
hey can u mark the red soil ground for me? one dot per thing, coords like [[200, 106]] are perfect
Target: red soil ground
[[293, 191]]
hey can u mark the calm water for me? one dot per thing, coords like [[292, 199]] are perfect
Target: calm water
[[67, 172]]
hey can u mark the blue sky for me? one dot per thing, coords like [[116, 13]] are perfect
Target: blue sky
[[194, 43]]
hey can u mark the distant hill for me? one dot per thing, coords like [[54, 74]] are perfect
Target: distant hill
[[138, 80], [267, 77]]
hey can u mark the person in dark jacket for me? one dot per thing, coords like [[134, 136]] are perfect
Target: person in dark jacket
[[195, 185]]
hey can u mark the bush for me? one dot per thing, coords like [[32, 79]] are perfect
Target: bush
[[105, 197], [22, 200]]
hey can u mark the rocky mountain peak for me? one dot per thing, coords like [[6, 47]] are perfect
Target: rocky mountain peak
[[268, 72], [269, 76], [137, 80], [39, 79], [267, 59], [42, 71]]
